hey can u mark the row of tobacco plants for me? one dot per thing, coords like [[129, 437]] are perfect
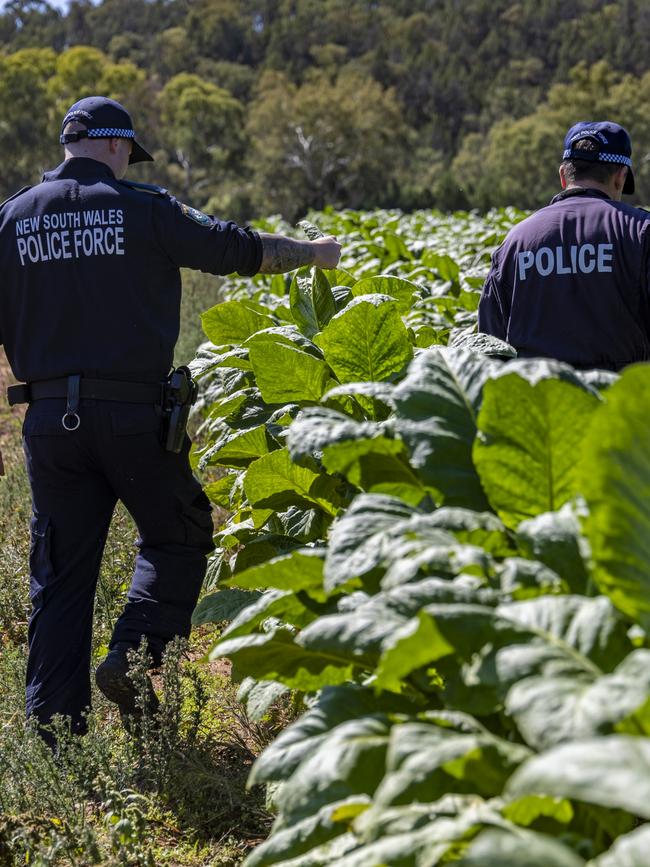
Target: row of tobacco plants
[[441, 551]]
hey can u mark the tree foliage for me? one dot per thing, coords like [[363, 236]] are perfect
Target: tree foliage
[[263, 106]]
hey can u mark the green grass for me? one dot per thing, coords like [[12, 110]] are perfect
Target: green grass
[[172, 795]]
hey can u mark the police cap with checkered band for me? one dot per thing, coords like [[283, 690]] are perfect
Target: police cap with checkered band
[[103, 118], [613, 145]]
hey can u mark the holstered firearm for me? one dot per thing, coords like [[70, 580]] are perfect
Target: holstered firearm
[[179, 393]]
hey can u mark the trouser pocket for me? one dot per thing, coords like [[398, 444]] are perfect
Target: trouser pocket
[[40, 558], [197, 520]]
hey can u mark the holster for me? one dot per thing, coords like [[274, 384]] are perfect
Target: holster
[[179, 393]]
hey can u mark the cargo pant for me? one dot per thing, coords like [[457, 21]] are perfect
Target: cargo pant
[[77, 478]]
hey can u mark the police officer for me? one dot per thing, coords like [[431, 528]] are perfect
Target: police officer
[[571, 281], [89, 315]]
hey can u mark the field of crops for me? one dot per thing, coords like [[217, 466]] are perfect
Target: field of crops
[[441, 550]]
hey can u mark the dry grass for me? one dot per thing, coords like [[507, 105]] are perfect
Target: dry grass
[[176, 796]]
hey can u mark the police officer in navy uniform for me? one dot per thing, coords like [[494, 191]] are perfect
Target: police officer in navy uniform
[[89, 315], [571, 281]]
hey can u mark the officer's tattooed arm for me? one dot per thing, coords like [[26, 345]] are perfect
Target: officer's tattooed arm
[[280, 254]]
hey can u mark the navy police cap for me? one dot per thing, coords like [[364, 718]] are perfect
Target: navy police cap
[[613, 146], [103, 118]]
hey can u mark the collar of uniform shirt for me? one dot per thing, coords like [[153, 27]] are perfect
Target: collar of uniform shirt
[[79, 167], [589, 192]]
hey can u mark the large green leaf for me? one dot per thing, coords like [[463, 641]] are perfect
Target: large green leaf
[[555, 708], [482, 653], [237, 448], [232, 322], [278, 604], [593, 627], [424, 762], [525, 579], [630, 850], [611, 772], [312, 302], [222, 605], [325, 824], [530, 433], [275, 482], [366, 341], [300, 570], [299, 740], [348, 761], [518, 848], [275, 656], [615, 479], [260, 696], [284, 372], [554, 539], [355, 539], [437, 407], [403, 291], [378, 465], [317, 427]]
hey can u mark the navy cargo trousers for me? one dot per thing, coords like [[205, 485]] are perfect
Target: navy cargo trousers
[[76, 478]]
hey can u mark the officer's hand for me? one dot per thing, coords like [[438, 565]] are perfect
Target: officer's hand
[[328, 252]]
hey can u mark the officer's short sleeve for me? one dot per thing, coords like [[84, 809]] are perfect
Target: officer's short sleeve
[[491, 317], [192, 239]]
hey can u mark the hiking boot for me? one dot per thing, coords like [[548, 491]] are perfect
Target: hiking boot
[[113, 679]]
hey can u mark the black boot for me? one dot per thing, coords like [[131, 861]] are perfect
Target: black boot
[[113, 679]]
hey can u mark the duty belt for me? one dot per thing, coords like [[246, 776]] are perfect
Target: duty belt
[[88, 389]]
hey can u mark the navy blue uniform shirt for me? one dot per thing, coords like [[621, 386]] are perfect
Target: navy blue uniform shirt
[[572, 282], [89, 273]]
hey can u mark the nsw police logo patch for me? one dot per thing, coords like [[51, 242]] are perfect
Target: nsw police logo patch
[[198, 216]]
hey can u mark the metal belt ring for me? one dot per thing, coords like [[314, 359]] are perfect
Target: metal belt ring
[[74, 417]]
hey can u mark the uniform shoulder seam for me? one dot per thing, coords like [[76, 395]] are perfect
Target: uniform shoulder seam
[[15, 195], [151, 189]]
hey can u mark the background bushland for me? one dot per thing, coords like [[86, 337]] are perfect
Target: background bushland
[[267, 106]]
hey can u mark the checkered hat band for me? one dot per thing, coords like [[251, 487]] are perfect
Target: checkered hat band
[[111, 132], [602, 158]]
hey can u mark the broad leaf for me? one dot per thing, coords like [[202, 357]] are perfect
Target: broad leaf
[[630, 850], [557, 708], [222, 605], [275, 482], [403, 291], [232, 322], [529, 436], [554, 539], [260, 696], [275, 656], [366, 341], [284, 372], [424, 762], [300, 570], [611, 772], [355, 540], [615, 479], [348, 761], [519, 848], [299, 740], [312, 302], [437, 407], [325, 824]]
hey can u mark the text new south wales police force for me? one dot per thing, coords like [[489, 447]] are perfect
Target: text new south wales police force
[[70, 235]]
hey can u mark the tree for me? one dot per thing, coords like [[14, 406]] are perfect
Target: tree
[[25, 139], [202, 125], [516, 162], [335, 142]]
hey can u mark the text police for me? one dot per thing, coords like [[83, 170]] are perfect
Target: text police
[[575, 259], [70, 235]]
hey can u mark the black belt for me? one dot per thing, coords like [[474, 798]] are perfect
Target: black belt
[[89, 389]]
